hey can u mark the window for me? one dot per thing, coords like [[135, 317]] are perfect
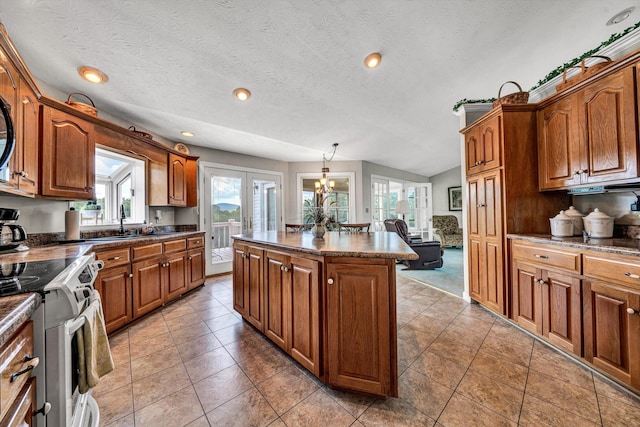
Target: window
[[338, 205], [120, 181]]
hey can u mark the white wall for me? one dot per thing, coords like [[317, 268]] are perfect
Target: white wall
[[440, 186]]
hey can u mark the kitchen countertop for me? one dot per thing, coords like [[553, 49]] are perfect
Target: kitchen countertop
[[360, 245], [613, 245], [14, 311]]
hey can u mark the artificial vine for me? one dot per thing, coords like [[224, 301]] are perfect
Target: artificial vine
[[557, 71]]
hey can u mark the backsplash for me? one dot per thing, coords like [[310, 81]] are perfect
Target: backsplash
[[617, 205]]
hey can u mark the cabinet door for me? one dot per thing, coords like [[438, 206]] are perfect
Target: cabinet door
[[472, 149], [175, 266], [276, 295], [490, 135], [609, 123], [24, 163], [526, 306], [177, 180], [304, 317], [562, 310], [611, 333], [359, 340], [254, 287], [114, 287], [240, 291], [21, 413], [148, 286], [68, 155], [195, 268], [559, 144], [476, 270]]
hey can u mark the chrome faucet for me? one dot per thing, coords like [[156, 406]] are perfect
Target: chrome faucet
[[122, 217]]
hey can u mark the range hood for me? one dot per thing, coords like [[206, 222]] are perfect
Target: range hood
[[602, 189]]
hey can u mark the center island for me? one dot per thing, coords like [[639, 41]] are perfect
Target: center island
[[329, 303]]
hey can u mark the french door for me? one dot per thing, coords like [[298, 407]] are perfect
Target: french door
[[385, 195], [236, 202]]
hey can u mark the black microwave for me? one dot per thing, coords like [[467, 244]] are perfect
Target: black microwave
[[7, 139]]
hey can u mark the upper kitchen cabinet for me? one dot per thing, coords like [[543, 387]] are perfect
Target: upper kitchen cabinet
[[482, 147], [589, 135], [177, 180], [67, 155]]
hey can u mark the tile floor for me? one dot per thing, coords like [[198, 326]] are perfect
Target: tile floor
[[196, 363]]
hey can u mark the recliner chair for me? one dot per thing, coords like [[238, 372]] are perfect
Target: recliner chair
[[429, 253]]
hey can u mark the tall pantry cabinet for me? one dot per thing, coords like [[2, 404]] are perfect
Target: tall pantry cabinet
[[502, 196]]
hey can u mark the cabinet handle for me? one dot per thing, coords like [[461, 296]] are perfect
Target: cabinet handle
[[286, 269], [189, 258], [479, 162], [633, 276], [481, 205], [330, 281], [115, 258], [33, 362], [631, 311], [541, 256]]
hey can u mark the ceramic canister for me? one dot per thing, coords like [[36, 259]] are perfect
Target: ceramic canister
[[561, 225], [598, 224], [576, 216]]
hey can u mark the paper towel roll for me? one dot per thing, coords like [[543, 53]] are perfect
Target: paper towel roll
[[72, 225]]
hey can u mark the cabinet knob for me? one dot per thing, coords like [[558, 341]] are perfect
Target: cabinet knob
[[130, 275], [189, 258], [631, 311], [330, 281], [286, 269], [631, 275]]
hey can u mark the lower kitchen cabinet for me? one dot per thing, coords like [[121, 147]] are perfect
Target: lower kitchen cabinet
[[361, 341], [114, 287], [195, 262], [148, 286], [175, 275], [248, 282]]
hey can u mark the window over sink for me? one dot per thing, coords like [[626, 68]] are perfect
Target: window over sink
[[120, 180]]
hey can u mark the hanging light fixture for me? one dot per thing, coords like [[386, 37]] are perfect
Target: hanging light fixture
[[325, 186]]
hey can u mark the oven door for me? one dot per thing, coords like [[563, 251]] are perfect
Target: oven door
[[7, 139]]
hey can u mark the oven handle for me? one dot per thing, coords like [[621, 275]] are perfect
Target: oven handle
[[71, 326]]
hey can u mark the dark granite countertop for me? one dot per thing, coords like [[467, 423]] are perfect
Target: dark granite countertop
[[614, 245], [14, 311], [360, 245]]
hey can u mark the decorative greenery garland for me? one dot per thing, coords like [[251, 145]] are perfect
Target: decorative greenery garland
[[557, 71]]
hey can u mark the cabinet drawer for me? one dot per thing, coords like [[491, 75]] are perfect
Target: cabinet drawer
[[14, 359], [114, 257], [145, 251], [195, 242], [548, 256], [174, 245], [613, 268]]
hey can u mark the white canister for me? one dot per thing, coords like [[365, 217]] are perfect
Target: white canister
[[576, 216], [598, 224], [561, 225]]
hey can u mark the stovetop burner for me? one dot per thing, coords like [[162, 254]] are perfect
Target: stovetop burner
[[22, 277]]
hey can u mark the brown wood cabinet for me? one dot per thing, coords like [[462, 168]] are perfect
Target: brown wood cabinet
[[177, 180], [361, 341], [114, 286], [248, 283], [24, 162], [17, 392], [68, 156], [589, 136], [547, 294], [21, 412], [502, 197], [195, 262]]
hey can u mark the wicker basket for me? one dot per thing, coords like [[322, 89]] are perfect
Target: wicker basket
[[585, 71], [513, 98], [140, 133], [81, 106]]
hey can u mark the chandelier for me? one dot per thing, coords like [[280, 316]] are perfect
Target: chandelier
[[324, 186]]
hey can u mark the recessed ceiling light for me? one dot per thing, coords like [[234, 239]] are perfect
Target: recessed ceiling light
[[242, 94], [92, 74], [186, 133], [373, 60], [620, 16]]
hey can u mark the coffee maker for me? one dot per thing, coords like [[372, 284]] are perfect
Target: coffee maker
[[12, 236]]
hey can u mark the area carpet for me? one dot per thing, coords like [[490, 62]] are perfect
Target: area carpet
[[449, 277]]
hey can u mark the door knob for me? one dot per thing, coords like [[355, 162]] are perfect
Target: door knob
[[330, 281]]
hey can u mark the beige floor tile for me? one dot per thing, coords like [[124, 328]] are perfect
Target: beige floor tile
[[212, 313], [208, 364], [183, 321], [264, 364], [116, 404], [419, 338], [318, 409], [247, 409], [234, 333], [467, 322], [464, 412], [221, 387], [200, 422], [353, 403], [492, 394], [154, 363], [536, 412], [616, 413], [423, 393], [453, 350], [177, 409], [177, 309], [197, 346], [499, 369], [152, 324], [578, 400], [504, 330], [222, 322], [159, 386], [286, 389], [460, 335], [444, 371], [394, 412], [555, 364], [143, 346], [615, 392], [510, 351], [120, 376], [127, 421], [188, 333], [278, 423]]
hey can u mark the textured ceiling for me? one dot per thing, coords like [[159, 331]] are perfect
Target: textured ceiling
[[173, 65]]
